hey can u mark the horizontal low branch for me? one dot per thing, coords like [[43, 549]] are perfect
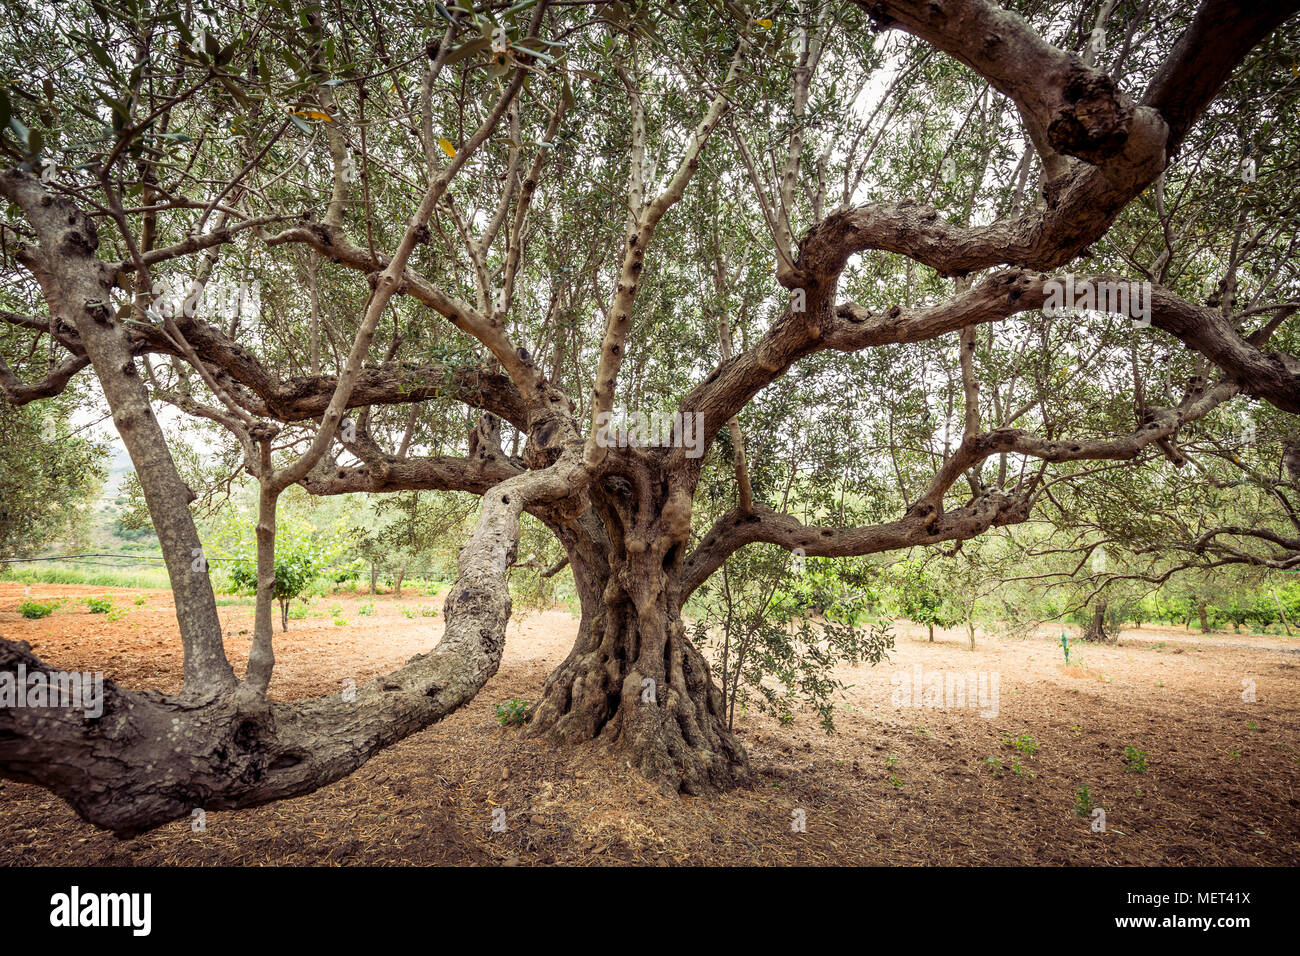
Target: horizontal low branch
[[147, 758], [921, 526], [432, 473], [16, 392], [926, 521]]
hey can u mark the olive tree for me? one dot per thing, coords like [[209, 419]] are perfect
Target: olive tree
[[633, 269]]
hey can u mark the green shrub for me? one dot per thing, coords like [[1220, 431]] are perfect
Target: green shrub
[[423, 610], [512, 712], [37, 609], [1024, 744], [1083, 802], [100, 605], [294, 574], [1135, 761]]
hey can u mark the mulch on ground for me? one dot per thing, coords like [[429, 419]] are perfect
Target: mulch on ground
[[896, 785]]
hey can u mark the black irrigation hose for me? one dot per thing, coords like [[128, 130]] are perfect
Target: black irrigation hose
[[66, 557], [77, 557], [138, 558]]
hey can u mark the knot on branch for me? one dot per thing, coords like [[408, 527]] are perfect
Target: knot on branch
[[99, 310], [81, 241], [1095, 120], [880, 20], [263, 431], [922, 509]]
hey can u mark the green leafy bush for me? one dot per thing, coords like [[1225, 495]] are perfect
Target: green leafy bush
[[1135, 760], [919, 594], [37, 609], [769, 649], [513, 712], [1083, 802]]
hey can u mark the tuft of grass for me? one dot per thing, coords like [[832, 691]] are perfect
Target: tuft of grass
[[424, 610], [89, 575], [1024, 744], [891, 762]]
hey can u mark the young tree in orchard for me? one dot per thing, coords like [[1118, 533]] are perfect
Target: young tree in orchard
[[821, 240]]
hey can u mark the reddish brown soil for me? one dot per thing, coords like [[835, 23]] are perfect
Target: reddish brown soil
[[895, 785]]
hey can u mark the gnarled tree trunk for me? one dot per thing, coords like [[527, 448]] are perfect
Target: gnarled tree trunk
[[634, 679]]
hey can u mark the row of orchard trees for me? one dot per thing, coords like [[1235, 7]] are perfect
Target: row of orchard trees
[[776, 628], [321, 543], [974, 588], [51, 476]]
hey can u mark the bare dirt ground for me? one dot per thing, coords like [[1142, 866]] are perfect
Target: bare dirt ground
[[896, 785]]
